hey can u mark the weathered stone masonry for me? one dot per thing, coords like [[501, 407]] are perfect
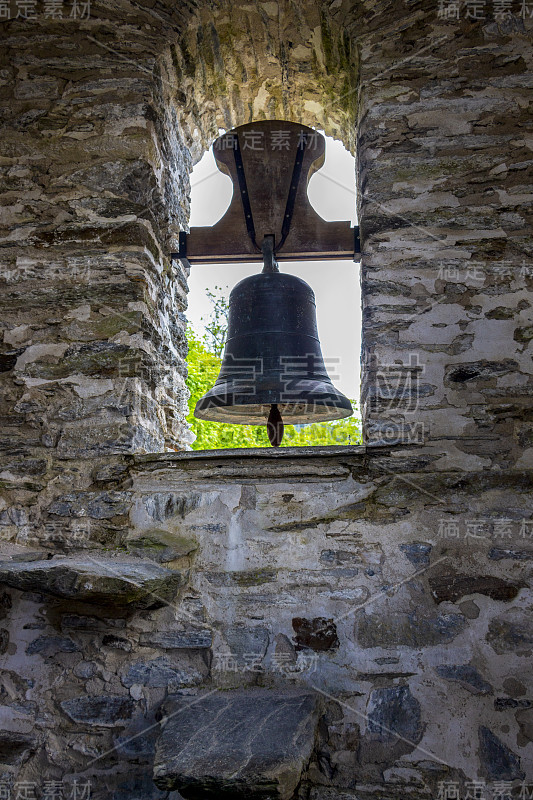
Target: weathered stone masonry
[[320, 570], [390, 583]]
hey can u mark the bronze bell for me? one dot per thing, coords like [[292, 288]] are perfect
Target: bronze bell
[[272, 365]]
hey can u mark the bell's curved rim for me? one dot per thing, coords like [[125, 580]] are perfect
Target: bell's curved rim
[[319, 403], [257, 414]]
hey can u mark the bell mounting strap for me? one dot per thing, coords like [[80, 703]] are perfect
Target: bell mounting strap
[[289, 208], [296, 174], [245, 197]]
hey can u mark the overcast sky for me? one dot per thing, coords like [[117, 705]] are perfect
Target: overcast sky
[[335, 283]]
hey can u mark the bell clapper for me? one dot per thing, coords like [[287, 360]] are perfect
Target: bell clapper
[[275, 426]]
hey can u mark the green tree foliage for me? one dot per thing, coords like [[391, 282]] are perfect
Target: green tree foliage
[[204, 362], [204, 367], [216, 326]]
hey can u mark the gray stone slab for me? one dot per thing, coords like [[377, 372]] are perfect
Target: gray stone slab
[[512, 553], [16, 748], [418, 628], [161, 673], [511, 632], [95, 578], [51, 645], [248, 744], [498, 762], [194, 639], [105, 711], [466, 675]]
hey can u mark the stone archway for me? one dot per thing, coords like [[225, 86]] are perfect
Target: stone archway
[[240, 62]]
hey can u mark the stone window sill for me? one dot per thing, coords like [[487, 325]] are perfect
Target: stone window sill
[[268, 453]]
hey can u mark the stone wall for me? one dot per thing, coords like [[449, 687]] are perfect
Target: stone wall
[[444, 166], [93, 184], [391, 582], [398, 594]]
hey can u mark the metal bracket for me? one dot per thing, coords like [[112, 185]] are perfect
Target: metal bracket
[[182, 248], [289, 208]]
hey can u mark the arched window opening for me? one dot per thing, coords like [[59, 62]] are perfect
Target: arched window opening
[[331, 192]]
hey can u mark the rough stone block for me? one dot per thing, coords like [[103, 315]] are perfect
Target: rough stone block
[[247, 642], [417, 553], [105, 711], [454, 587], [497, 761], [466, 675], [511, 631], [161, 546], [96, 579], [162, 673], [51, 645], [193, 639], [16, 748], [395, 724], [316, 634], [117, 642], [512, 553], [248, 745], [415, 629], [242, 578], [524, 717]]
